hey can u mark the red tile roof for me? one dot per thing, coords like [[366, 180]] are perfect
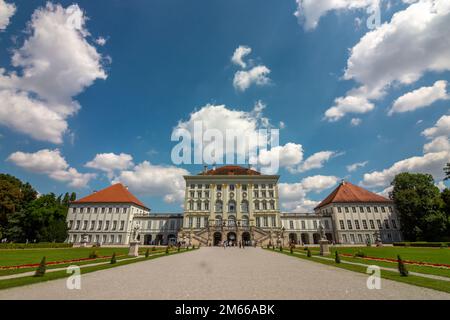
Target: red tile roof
[[117, 193], [231, 171], [347, 192]]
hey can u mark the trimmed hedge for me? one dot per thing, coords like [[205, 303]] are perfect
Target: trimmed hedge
[[40, 245], [422, 244]]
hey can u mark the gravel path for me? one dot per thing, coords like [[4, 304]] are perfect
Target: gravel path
[[217, 273]]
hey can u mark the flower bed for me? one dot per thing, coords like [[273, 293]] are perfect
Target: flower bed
[[50, 263], [419, 263]]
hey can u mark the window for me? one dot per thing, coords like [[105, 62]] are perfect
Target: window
[[97, 238], [256, 186], [344, 238], [103, 210], [270, 186], [271, 194], [364, 222], [192, 194], [122, 225], [391, 210], [256, 205], [346, 209], [70, 224], [77, 227], [339, 209], [198, 222], [264, 194], [291, 224], [199, 186], [207, 205], [244, 206], [119, 238], [255, 194], [266, 222], [219, 206], [99, 225], [232, 206], [349, 224], [199, 205], [74, 239], [303, 225], [191, 205], [232, 187], [315, 224], [375, 209], [379, 224], [85, 223], [394, 224], [206, 186], [199, 194], [244, 187], [357, 224], [92, 225], [383, 209], [112, 238], [191, 221], [354, 209], [263, 186], [386, 223], [81, 210], [272, 205], [327, 225], [341, 224], [95, 210], [104, 238], [219, 187], [361, 209], [124, 210], [114, 225], [264, 205], [192, 186], [274, 222], [372, 224], [368, 209], [88, 210], [352, 238], [206, 194], [106, 225], [110, 210], [360, 238]]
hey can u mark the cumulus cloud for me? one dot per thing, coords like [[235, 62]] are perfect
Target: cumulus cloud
[[52, 164], [289, 155], [239, 54], [110, 162], [396, 53], [437, 144], [316, 161], [355, 166], [56, 63], [293, 196], [355, 122], [258, 75], [420, 98], [7, 10], [155, 181], [441, 128], [309, 12]]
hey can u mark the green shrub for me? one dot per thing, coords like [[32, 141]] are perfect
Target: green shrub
[[291, 249], [305, 248], [422, 244], [40, 271], [147, 253], [113, 258], [167, 250], [337, 258], [401, 267], [308, 253], [360, 254], [93, 255]]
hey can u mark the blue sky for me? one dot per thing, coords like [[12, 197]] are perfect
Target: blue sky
[[164, 60]]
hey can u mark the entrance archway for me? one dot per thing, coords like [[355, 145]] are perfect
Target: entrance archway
[[159, 239], [148, 239], [305, 238], [231, 238], [293, 238], [316, 238], [217, 238], [246, 239]]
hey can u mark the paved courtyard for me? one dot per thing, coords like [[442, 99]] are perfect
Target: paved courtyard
[[217, 273]]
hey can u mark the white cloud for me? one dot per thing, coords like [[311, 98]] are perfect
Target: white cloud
[[56, 63], [355, 166], [155, 180], [7, 10], [355, 122], [52, 164], [317, 160], [432, 163], [110, 162], [398, 52], [437, 145], [441, 128], [257, 75], [293, 196], [100, 41], [309, 12], [289, 155], [420, 98], [239, 54]]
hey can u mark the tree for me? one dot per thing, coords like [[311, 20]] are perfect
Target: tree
[[447, 171], [419, 204], [40, 271]]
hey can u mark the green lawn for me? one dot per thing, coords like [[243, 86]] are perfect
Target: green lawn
[[411, 279], [9, 283], [432, 255]]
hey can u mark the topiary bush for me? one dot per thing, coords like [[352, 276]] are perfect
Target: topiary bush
[[401, 267], [93, 255], [337, 258], [40, 271], [113, 258], [167, 250], [308, 253], [147, 253], [360, 254]]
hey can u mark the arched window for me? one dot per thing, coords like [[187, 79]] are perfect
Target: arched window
[[218, 220], [219, 206], [232, 206], [256, 205], [245, 221], [231, 221], [244, 206]]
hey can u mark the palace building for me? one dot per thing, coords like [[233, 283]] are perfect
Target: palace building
[[233, 204]]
